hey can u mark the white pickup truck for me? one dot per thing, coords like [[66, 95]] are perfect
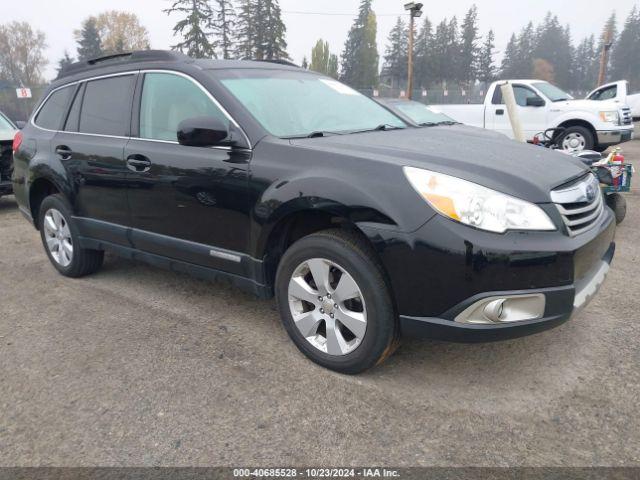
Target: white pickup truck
[[587, 124], [619, 93]]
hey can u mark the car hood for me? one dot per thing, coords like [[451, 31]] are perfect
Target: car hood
[[521, 170], [592, 106]]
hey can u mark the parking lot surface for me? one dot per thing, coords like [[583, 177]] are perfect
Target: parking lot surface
[[139, 366]]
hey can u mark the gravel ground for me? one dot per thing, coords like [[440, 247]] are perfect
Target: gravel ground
[[138, 366]]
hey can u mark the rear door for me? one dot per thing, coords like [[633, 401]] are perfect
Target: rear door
[[91, 147], [533, 119]]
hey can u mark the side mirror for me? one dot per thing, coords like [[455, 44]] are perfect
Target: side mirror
[[535, 102], [202, 132], [20, 124]]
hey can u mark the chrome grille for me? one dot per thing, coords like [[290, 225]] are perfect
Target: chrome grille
[[625, 116], [580, 204]]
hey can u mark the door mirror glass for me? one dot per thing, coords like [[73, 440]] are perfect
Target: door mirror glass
[[202, 132], [535, 102]]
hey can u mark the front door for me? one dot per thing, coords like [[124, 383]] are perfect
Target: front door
[[533, 119], [187, 203]]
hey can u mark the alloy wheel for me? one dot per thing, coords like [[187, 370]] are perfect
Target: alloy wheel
[[327, 306], [58, 237]]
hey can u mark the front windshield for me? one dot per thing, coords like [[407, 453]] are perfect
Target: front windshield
[[297, 104], [5, 123], [552, 92], [421, 114]]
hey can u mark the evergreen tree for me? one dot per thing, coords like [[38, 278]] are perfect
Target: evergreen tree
[[469, 50], [441, 63], [223, 27], [360, 57], [625, 61], [423, 55], [554, 46], [396, 55], [526, 45], [332, 69], [453, 49], [508, 66], [486, 68], [246, 30], [261, 31], [585, 70], [89, 45], [64, 62], [195, 28]]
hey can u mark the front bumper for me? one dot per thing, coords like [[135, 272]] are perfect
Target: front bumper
[[444, 268], [614, 137]]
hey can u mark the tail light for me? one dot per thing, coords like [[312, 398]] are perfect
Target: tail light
[[17, 141]]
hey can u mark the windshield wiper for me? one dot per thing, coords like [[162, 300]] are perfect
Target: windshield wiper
[[314, 134], [436, 124], [385, 127]]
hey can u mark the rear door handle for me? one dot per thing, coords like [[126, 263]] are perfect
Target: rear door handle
[[64, 152], [138, 163], [500, 111]]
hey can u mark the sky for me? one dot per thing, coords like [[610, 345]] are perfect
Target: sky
[[59, 18]]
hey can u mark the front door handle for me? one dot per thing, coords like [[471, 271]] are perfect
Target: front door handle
[[500, 111], [64, 152], [138, 163]]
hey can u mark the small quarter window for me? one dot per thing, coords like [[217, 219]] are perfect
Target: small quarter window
[[51, 115]]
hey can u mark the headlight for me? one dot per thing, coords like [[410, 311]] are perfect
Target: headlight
[[611, 117], [474, 205]]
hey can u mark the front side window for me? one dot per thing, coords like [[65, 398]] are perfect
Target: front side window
[[605, 94], [522, 94], [106, 107], [296, 104], [169, 99], [52, 112]]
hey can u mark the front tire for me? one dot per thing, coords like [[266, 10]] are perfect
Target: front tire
[[335, 303], [60, 238], [576, 139]]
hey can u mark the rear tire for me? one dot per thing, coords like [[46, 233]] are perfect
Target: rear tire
[[348, 322], [61, 240]]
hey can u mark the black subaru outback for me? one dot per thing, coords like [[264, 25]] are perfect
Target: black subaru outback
[[289, 183]]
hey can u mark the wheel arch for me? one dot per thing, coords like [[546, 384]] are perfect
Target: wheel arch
[[576, 122], [297, 224], [40, 189]]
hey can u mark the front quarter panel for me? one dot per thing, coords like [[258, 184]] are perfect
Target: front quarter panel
[[286, 179]]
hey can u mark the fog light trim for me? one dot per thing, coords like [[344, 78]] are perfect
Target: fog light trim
[[504, 309]]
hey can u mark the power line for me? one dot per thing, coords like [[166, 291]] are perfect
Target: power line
[[339, 14]]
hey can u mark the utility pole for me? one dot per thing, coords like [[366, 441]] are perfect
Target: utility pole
[[415, 10], [604, 56]]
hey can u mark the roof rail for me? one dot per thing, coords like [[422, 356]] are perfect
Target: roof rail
[[123, 58], [280, 62]]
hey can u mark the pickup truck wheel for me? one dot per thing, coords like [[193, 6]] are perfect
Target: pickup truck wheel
[[61, 240], [577, 139], [335, 303]]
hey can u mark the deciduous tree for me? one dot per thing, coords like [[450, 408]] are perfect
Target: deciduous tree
[[22, 58]]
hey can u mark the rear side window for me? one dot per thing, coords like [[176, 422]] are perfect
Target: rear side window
[[106, 108], [169, 99], [74, 114], [52, 112]]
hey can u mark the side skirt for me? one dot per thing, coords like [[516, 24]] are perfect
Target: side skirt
[[246, 284]]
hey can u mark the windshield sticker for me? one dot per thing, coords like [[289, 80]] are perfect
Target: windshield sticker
[[339, 87]]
